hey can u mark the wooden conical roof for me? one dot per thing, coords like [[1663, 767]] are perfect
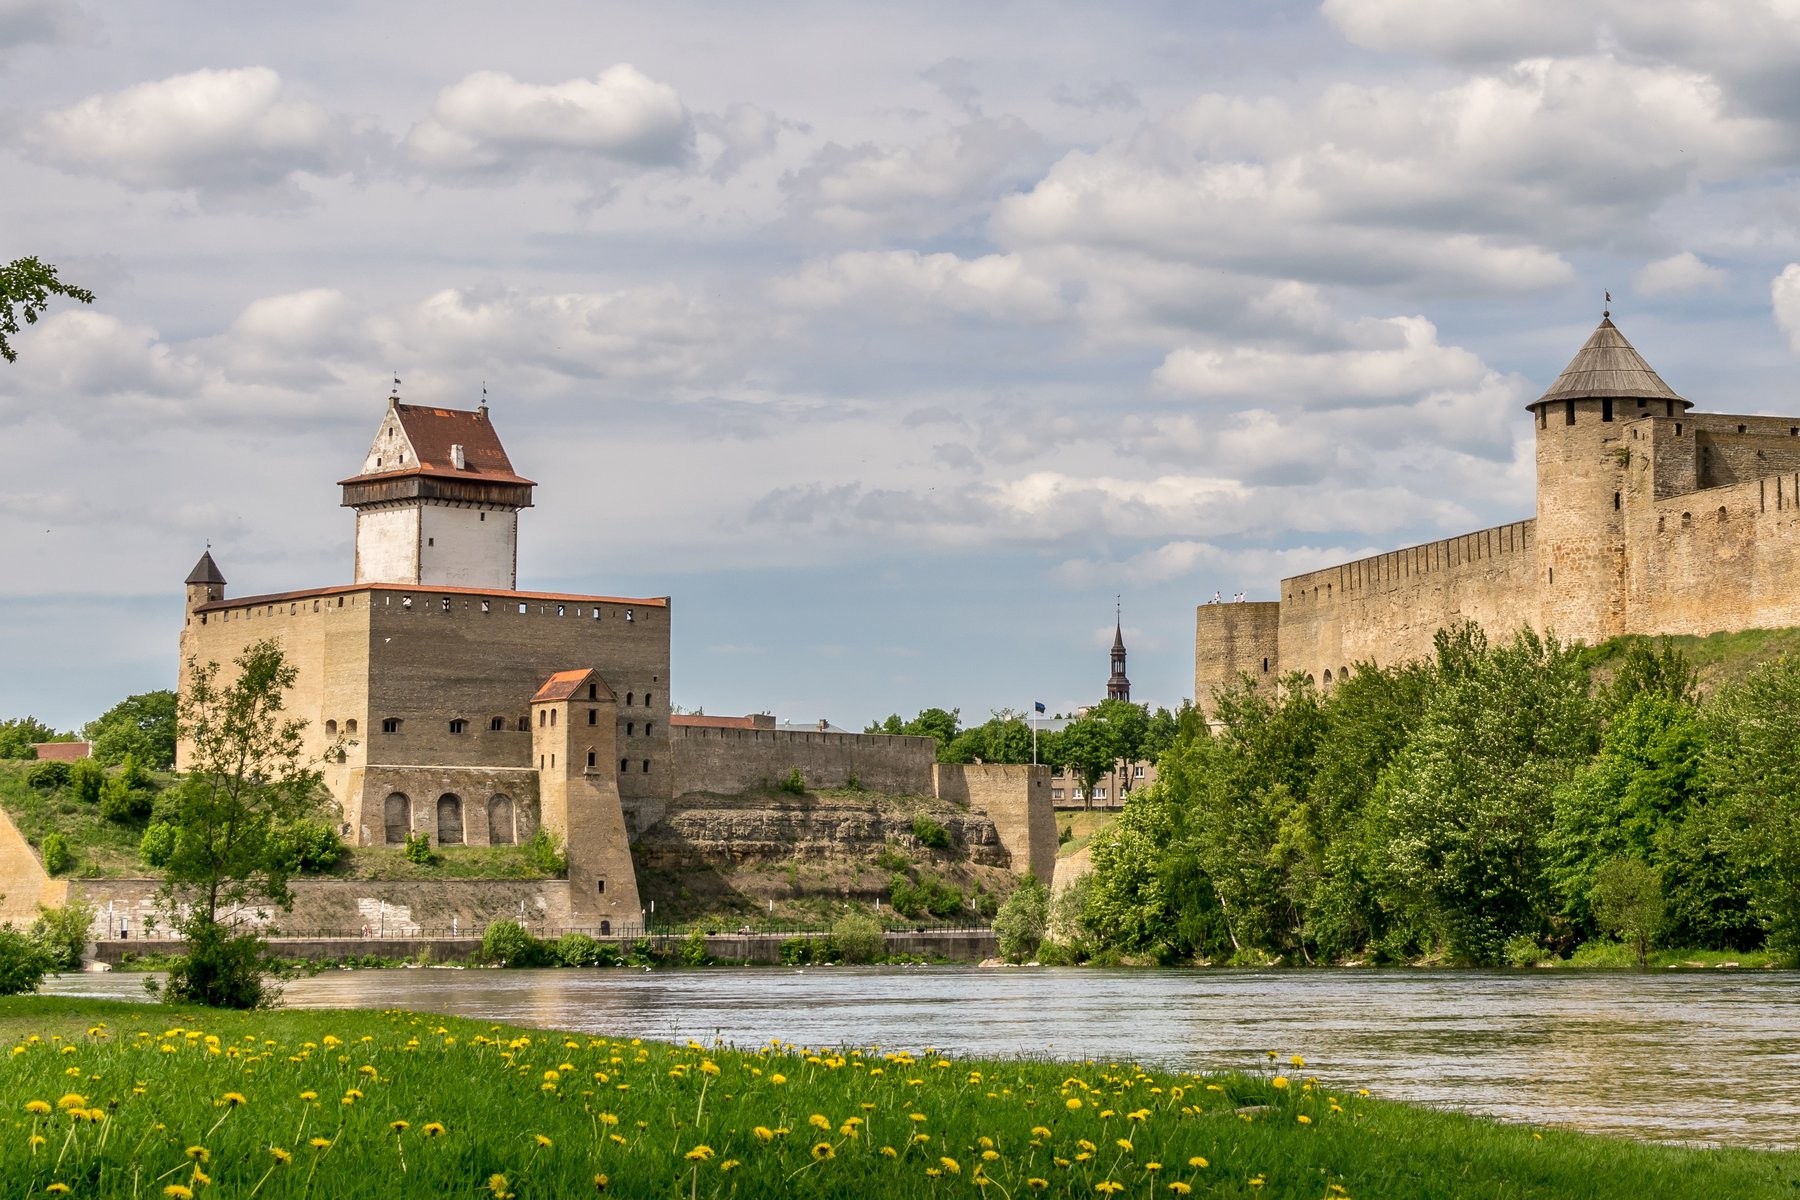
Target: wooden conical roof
[[1608, 365]]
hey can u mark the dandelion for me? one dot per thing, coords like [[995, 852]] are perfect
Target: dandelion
[[951, 1166], [71, 1100], [37, 1108], [432, 1129], [1037, 1184], [764, 1133], [309, 1096], [1123, 1144], [889, 1152], [1152, 1166], [399, 1126], [778, 1080], [233, 1099], [1107, 1187], [1179, 1188], [1304, 1119], [1039, 1131], [281, 1157], [497, 1184], [1297, 1061], [607, 1118], [1197, 1161], [822, 1152], [176, 1191], [1072, 1103], [201, 1178], [600, 1183], [199, 1154], [699, 1153], [58, 1189], [319, 1143]]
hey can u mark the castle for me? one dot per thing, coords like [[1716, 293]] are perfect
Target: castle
[[1651, 519], [444, 702]]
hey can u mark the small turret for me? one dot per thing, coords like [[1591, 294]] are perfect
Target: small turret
[[205, 583]]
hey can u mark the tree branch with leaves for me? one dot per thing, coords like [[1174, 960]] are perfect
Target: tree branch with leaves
[[26, 288]]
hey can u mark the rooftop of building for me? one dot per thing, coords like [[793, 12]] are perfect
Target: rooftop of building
[[422, 590], [1608, 366], [566, 685], [435, 433]]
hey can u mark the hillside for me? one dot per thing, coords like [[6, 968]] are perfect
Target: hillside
[[1720, 658]]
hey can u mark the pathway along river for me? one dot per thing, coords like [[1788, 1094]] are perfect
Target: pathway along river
[[1690, 1057]]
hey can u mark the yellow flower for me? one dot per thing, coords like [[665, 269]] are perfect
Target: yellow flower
[[399, 1126], [543, 1141], [366, 1069], [1072, 1103], [1084, 1144], [889, 1152], [1197, 1161], [764, 1133], [823, 1151], [699, 1153], [1179, 1188], [1152, 1166], [37, 1108], [199, 1153], [497, 1184], [309, 1095], [176, 1191], [1037, 1184], [1107, 1187], [608, 1119], [281, 1156], [600, 1183], [233, 1099], [58, 1189], [1038, 1131], [729, 1164], [201, 1178], [1280, 1081], [818, 1121], [71, 1100], [1122, 1143], [433, 1129], [319, 1143], [36, 1140], [1297, 1061], [778, 1079], [951, 1165], [1304, 1119]]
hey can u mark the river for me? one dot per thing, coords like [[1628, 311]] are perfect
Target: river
[[1693, 1057]]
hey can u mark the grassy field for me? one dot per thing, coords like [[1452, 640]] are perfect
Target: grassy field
[[1082, 827], [102, 847], [1719, 658], [112, 1099]]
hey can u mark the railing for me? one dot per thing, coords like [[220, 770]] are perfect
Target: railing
[[617, 931]]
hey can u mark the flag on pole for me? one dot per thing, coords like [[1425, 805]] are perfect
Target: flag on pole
[[1038, 705]]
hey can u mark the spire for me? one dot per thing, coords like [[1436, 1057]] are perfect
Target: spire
[[205, 571], [1608, 366], [1118, 687]]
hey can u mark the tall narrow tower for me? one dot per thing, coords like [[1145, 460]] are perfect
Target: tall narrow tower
[[1580, 544], [1118, 687], [437, 501]]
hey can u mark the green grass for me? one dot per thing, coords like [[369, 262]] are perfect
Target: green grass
[[102, 847], [1720, 658], [550, 1113], [1085, 827], [1617, 954], [447, 862]]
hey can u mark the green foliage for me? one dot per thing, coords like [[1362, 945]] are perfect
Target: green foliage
[[1065, 835], [794, 785], [582, 950], [62, 933], [929, 895], [142, 727], [26, 287], [545, 850], [857, 938], [20, 736], [510, 944], [310, 845], [693, 950], [930, 834], [892, 858], [157, 846], [931, 722], [122, 803], [1628, 902], [22, 962], [221, 969], [48, 776], [57, 856], [1023, 920], [1753, 760], [795, 951], [86, 779], [418, 848]]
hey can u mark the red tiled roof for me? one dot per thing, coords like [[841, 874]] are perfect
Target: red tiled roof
[[433, 431], [713, 722], [422, 590], [565, 684]]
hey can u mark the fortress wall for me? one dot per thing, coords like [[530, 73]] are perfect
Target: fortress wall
[[1720, 559], [1017, 800], [1734, 449], [1387, 608], [729, 761], [476, 787], [1232, 639]]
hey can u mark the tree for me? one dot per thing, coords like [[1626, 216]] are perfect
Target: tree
[[931, 722], [247, 782], [26, 286], [1628, 902], [1022, 921], [1753, 761], [1087, 747], [140, 726], [20, 735], [858, 938]]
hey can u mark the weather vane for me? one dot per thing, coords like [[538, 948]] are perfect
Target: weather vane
[[1606, 313]]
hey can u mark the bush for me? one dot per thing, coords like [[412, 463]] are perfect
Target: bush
[[929, 895], [892, 858], [510, 944], [857, 938], [1524, 951], [121, 802], [221, 969], [22, 962], [546, 852], [929, 833], [157, 846], [418, 849], [57, 857], [795, 952], [693, 950], [48, 776], [86, 778], [1065, 835], [580, 950], [62, 933], [312, 845], [1022, 921], [793, 784]]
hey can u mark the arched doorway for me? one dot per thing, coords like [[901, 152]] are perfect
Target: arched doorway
[[500, 821], [397, 817], [449, 820]]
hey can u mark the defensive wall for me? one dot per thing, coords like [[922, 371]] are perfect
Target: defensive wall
[[740, 760], [1016, 799]]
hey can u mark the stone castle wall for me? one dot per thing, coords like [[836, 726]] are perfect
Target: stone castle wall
[[1017, 800], [1235, 639], [728, 761]]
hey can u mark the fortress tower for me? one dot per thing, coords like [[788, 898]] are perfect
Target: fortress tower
[[437, 502], [1581, 473]]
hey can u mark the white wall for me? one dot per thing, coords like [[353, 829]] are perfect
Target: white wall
[[467, 547], [387, 545]]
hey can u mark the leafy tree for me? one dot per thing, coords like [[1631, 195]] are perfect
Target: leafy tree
[[57, 856], [26, 286], [929, 833], [418, 849], [1753, 760], [1628, 902], [86, 778], [141, 727], [247, 781], [931, 722], [1023, 920], [19, 736], [22, 962], [49, 775], [157, 846], [858, 938], [62, 933], [1004, 737], [1086, 748], [510, 944], [308, 845]]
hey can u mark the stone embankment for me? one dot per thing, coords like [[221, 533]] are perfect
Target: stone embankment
[[715, 831]]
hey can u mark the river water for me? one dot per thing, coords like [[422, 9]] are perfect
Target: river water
[[1694, 1057]]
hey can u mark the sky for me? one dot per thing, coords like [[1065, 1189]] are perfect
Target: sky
[[896, 343]]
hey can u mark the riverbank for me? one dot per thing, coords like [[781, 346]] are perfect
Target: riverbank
[[143, 1099]]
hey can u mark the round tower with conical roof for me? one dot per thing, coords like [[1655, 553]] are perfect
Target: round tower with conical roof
[[1581, 462]]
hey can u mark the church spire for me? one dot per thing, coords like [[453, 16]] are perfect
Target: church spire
[[1118, 687]]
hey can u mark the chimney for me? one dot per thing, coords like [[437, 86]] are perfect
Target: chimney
[[824, 724], [456, 457]]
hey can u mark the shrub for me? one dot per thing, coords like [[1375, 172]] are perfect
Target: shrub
[[121, 802], [693, 950], [794, 784], [1524, 951], [221, 969], [418, 849], [22, 962], [62, 933], [854, 784], [57, 857], [795, 952], [1065, 835], [157, 845], [892, 858], [511, 945], [546, 852], [86, 777], [985, 903], [1022, 921], [48, 776], [929, 833], [857, 938], [313, 845], [581, 950]]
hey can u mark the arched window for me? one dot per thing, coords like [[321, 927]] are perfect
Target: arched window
[[459, 725], [500, 821], [553, 718], [331, 729], [624, 765], [646, 699], [630, 727], [449, 820], [497, 724], [525, 724], [629, 696], [1327, 676], [543, 717], [605, 928], [592, 760], [350, 727], [397, 818]]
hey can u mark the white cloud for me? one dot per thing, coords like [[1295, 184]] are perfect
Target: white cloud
[[1784, 294], [743, 133], [1684, 272], [1408, 361], [994, 285], [1465, 30], [219, 132], [490, 122]]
